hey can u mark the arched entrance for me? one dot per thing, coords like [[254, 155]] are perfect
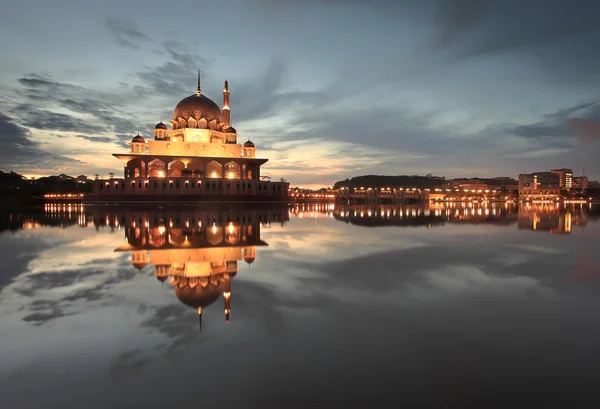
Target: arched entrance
[[214, 170], [156, 169], [136, 168], [232, 170], [196, 169], [176, 168]]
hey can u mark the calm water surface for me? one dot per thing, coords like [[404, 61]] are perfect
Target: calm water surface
[[460, 306]]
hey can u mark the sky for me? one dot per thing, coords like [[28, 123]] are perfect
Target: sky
[[326, 89]]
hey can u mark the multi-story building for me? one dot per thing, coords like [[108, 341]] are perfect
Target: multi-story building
[[580, 182], [463, 183], [566, 177], [506, 184], [539, 185]]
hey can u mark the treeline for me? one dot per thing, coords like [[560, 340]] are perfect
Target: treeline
[[423, 182], [17, 190]]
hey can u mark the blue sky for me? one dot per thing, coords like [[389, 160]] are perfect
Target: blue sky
[[326, 89]]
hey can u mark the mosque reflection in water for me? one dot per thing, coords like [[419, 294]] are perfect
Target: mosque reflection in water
[[197, 252]]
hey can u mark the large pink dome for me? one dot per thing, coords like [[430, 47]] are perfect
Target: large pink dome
[[197, 107]]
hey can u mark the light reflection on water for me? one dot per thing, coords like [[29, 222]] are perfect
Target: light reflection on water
[[452, 305]]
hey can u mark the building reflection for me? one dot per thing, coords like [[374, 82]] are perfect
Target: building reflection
[[553, 218], [195, 251], [429, 216], [52, 215]]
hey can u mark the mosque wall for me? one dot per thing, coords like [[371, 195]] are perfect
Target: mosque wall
[[200, 149], [190, 188]]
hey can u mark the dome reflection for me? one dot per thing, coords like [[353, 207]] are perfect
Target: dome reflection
[[195, 251]]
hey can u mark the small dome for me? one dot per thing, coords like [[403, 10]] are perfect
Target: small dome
[[138, 139], [160, 125], [231, 129], [139, 265], [249, 259], [249, 144], [162, 279]]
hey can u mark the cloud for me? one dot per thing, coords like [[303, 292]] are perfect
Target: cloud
[[556, 38], [107, 112], [456, 16], [563, 128], [125, 33], [46, 120], [129, 363], [39, 318], [170, 78], [19, 152], [586, 129]]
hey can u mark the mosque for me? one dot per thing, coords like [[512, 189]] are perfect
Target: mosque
[[196, 252], [199, 159]]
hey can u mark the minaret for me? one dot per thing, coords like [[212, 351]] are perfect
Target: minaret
[[226, 111], [198, 91], [200, 318], [227, 297]]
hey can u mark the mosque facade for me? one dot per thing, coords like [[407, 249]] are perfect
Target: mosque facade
[[198, 159]]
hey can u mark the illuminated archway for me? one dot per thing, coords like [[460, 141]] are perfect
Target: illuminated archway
[[136, 168], [196, 168], [176, 168], [214, 170], [156, 169], [232, 170]]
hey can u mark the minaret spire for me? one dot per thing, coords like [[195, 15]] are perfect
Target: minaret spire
[[227, 306], [198, 90], [200, 318], [226, 111]]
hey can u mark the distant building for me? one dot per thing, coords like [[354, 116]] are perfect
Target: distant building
[[539, 185], [82, 179], [474, 186], [63, 177], [505, 183], [463, 183], [566, 177], [580, 182]]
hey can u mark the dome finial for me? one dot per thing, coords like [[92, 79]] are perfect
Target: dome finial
[[198, 90]]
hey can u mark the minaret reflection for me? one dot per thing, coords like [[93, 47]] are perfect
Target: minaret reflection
[[197, 251]]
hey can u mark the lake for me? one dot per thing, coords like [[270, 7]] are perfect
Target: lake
[[458, 305]]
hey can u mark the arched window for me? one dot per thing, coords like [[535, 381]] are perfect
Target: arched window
[[156, 169], [135, 168], [232, 170], [196, 169], [214, 170], [176, 168]]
